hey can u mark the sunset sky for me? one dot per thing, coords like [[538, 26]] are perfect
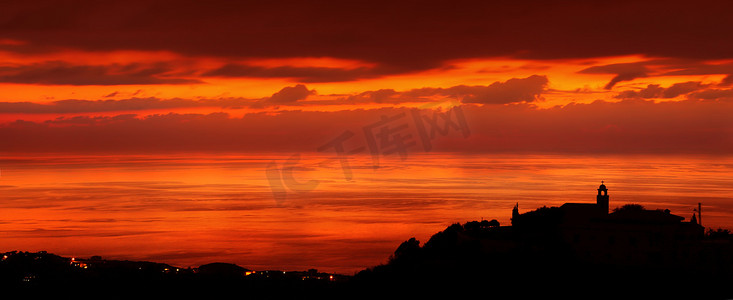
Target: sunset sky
[[654, 76], [165, 78]]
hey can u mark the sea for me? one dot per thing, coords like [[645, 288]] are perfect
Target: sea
[[299, 211]]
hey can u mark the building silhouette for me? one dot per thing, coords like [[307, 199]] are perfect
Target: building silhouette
[[576, 250], [629, 235]]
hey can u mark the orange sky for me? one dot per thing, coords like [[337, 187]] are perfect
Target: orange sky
[[78, 65], [80, 89]]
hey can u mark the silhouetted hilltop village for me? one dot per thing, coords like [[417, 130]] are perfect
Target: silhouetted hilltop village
[[577, 250], [571, 251], [630, 235]]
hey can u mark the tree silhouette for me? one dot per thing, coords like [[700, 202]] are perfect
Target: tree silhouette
[[629, 207], [407, 249], [719, 234]]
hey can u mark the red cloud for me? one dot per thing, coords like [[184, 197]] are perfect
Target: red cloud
[[513, 90], [656, 91], [133, 104], [624, 72], [301, 74], [401, 35], [289, 95], [630, 126], [61, 73]]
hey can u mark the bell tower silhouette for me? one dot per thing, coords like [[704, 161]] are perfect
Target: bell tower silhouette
[[602, 198]]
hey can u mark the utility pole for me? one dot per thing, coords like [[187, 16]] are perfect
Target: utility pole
[[699, 213]]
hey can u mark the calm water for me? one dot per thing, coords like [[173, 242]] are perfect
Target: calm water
[[187, 210]]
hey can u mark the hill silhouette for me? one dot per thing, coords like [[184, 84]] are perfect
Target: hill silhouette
[[576, 250], [467, 258], [222, 270], [42, 274]]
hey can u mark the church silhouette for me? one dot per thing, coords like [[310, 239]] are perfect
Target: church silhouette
[[629, 235], [576, 250]]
